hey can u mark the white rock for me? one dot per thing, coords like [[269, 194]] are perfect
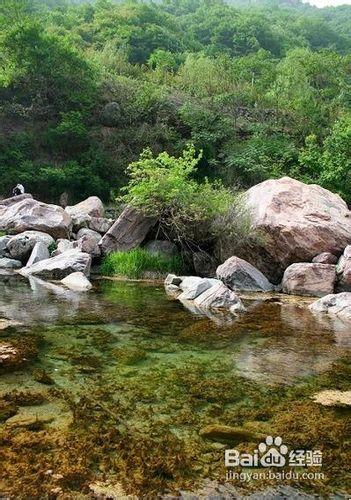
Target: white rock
[[193, 286], [219, 296], [60, 266], [39, 252], [338, 304], [77, 281]]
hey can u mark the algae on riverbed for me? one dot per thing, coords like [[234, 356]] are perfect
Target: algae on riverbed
[[136, 380]]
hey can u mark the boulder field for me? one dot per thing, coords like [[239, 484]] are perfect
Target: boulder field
[[302, 246]]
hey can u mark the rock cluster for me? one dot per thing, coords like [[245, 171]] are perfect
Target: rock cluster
[[49, 242]]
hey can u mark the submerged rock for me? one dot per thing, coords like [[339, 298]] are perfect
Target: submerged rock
[[309, 279], [22, 213], [333, 397], [338, 304], [129, 231], [296, 222], [77, 281], [238, 274], [60, 266], [231, 435], [30, 422], [6, 263]]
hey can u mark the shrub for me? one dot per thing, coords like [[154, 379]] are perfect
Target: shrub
[[135, 263], [164, 187]]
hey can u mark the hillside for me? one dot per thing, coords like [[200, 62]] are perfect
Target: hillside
[[263, 88]]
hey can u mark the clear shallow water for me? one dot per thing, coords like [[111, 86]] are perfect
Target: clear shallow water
[[137, 376]]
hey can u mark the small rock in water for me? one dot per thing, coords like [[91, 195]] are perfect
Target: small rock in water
[[172, 279], [333, 397], [238, 274], [31, 422], [77, 281], [42, 377], [219, 296], [193, 286], [232, 435]]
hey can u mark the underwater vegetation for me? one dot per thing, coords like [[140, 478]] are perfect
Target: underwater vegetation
[[150, 402]]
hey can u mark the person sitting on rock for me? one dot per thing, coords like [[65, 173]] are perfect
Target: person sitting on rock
[[17, 190]]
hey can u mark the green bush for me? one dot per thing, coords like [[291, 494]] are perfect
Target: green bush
[[135, 263], [164, 187]]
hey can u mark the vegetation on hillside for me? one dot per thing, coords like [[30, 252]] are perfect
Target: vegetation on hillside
[[263, 89]]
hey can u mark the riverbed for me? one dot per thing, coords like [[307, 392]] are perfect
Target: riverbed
[[122, 381]]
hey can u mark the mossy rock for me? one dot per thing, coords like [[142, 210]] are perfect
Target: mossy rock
[[230, 435]]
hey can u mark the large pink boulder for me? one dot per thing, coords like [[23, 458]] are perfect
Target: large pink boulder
[[23, 213], [129, 230], [295, 222], [307, 278]]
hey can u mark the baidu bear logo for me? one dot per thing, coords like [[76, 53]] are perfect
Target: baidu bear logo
[[273, 453]]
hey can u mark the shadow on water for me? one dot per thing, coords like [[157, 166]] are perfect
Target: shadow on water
[[123, 379]]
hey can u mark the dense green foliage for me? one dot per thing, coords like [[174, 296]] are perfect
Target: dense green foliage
[[163, 187], [262, 88], [137, 263]]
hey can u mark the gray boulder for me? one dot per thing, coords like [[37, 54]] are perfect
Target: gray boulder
[[39, 252], [309, 279], [60, 266], [161, 247], [193, 286], [338, 304], [77, 281], [129, 231], [3, 246], [23, 213], [219, 296], [238, 274], [325, 258], [21, 245], [6, 263]]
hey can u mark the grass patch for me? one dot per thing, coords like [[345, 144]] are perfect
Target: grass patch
[[137, 262]]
